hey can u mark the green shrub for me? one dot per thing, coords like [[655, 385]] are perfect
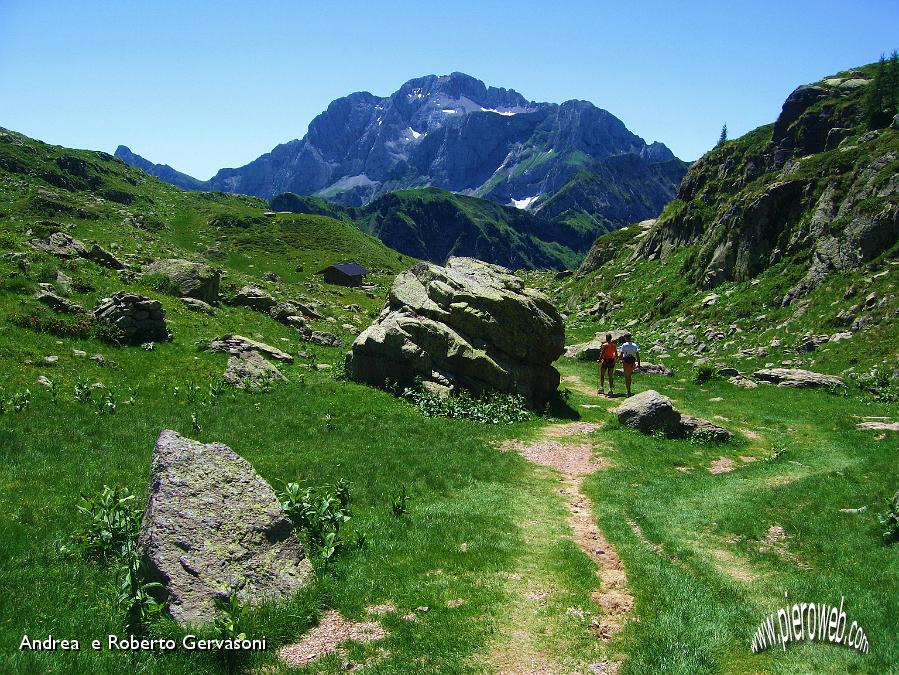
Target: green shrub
[[890, 519], [703, 374], [81, 327], [492, 409], [135, 594], [321, 514], [878, 382], [113, 523], [399, 503]]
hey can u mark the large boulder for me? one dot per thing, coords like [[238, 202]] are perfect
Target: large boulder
[[796, 377], [589, 351], [212, 527], [103, 257], [470, 325], [139, 318], [193, 279], [649, 411]]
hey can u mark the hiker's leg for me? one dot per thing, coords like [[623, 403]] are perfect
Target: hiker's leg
[[602, 376], [611, 376]]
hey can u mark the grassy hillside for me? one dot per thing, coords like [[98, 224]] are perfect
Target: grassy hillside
[[434, 224]]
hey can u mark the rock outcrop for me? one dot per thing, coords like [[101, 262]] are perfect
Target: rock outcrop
[[469, 325], [64, 245], [56, 302], [796, 377], [817, 186], [139, 318], [254, 298], [238, 344], [193, 279], [651, 412], [212, 527]]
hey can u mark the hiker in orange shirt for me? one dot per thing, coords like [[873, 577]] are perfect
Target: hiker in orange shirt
[[608, 355]]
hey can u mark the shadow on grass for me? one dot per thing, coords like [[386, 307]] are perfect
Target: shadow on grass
[[560, 406]]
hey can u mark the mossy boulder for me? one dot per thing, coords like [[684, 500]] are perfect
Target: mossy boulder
[[214, 527], [188, 279]]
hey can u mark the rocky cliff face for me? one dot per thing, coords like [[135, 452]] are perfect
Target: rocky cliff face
[[817, 190], [456, 133]]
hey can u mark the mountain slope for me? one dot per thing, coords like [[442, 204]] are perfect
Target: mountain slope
[[161, 171], [455, 133], [817, 191], [434, 224], [782, 248]]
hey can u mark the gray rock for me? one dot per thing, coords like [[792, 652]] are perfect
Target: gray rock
[[742, 381], [796, 377], [324, 339], [237, 344], [59, 303], [139, 318], [103, 257], [63, 281], [254, 298], [193, 279], [62, 245], [248, 370], [651, 369], [213, 526], [273, 277], [198, 305], [472, 322], [649, 411], [696, 426]]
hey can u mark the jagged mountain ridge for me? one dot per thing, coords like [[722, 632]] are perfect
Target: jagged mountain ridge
[[456, 133]]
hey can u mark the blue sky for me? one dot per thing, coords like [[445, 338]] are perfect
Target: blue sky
[[204, 85]]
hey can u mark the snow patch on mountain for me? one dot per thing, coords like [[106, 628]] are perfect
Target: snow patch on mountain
[[525, 203]]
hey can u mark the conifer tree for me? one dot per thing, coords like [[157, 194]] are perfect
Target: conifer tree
[[723, 137]]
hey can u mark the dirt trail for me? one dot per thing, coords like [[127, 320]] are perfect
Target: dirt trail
[[559, 448]]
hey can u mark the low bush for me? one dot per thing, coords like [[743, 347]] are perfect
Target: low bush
[[890, 520], [492, 409], [113, 523], [703, 374], [321, 513]]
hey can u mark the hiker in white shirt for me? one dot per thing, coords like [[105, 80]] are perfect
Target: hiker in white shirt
[[630, 359]]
